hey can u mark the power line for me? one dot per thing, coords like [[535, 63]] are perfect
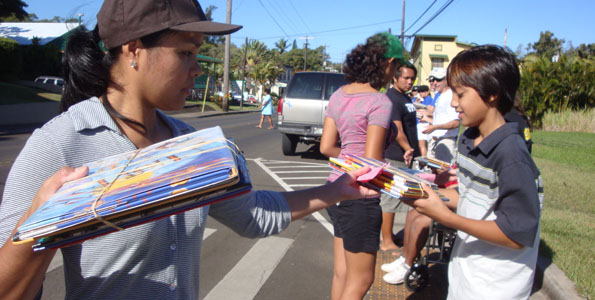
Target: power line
[[276, 8], [270, 15], [432, 4], [434, 16], [331, 30], [299, 16]]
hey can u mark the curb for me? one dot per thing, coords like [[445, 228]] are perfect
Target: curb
[[554, 283]]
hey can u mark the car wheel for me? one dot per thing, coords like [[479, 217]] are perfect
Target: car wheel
[[289, 143]]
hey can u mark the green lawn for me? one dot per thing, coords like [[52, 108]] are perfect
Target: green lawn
[[567, 164], [15, 94]]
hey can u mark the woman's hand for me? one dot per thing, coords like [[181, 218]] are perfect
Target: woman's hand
[[348, 187], [53, 184]]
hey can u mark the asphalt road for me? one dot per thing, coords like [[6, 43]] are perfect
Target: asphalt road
[[296, 264]]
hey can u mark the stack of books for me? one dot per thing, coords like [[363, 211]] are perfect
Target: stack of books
[[432, 163], [400, 183], [136, 187]]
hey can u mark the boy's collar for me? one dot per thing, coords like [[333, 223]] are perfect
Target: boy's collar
[[491, 141]]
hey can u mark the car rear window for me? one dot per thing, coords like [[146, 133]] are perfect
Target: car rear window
[[306, 86], [333, 83]]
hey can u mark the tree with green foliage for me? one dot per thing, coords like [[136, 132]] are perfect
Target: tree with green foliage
[[547, 45], [294, 45], [12, 9], [282, 45]]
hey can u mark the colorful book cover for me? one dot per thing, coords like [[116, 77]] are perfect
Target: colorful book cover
[[133, 183]]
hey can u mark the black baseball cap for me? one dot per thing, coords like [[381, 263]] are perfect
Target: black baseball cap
[[121, 21]]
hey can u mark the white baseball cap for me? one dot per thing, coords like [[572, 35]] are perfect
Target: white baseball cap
[[438, 73]]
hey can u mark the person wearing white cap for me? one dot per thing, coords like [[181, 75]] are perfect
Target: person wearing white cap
[[445, 127]]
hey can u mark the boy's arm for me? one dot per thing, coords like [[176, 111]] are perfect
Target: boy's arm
[[436, 209]]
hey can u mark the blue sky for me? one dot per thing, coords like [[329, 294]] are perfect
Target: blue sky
[[341, 25]]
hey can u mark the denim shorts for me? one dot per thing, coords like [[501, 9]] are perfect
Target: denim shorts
[[358, 223]]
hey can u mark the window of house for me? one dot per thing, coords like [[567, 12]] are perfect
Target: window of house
[[438, 47], [437, 62]]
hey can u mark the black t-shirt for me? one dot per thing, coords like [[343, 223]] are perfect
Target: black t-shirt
[[404, 111], [513, 116]]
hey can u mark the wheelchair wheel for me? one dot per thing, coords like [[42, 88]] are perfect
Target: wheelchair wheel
[[416, 278]]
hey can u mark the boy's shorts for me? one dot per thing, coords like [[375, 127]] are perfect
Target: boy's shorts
[[358, 223], [421, 136]]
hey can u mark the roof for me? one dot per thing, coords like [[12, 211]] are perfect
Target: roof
[[24, 32]]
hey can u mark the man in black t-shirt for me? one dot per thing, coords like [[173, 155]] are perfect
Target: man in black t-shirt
[[403, 115], [402, 150]]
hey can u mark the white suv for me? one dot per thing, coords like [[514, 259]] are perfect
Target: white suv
[[301, 110]]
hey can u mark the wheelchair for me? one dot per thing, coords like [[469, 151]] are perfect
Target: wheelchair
[[437, 250]]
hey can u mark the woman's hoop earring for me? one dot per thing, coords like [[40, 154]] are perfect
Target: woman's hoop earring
[[133, 64]]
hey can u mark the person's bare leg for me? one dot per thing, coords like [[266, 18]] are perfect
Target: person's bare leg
[[417, 236], [261, 120], [423, 148], [339, 269], [270, 122], [360, 275], [386, 230]]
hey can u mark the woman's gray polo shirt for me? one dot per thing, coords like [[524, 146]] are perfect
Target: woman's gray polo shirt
[[158, 260]]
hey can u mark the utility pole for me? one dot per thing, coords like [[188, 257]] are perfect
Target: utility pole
[[403, 26], [226, 61], [306, 49], [244, 72]]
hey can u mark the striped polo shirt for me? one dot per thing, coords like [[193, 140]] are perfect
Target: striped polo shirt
[[157, 260], [498, 181]]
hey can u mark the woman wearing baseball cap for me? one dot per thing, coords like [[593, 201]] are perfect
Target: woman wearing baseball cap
[[111, 104]]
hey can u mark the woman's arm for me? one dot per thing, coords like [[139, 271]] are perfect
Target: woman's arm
[[304, 202], [22, 270], [375, 141], [329, 139]]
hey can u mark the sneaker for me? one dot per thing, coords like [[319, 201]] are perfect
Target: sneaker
[[393, 265], [397, 276]]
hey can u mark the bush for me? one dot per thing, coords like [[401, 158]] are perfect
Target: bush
[[568, 84], [10, 59]]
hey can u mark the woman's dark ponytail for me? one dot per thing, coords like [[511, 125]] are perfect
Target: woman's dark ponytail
[[85, 66]]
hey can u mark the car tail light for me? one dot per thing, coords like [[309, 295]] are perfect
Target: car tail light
[[280, 107]]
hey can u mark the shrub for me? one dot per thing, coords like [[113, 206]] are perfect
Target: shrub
[[567, 84], [10, 59]]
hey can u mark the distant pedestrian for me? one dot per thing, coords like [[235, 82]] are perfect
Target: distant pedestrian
[[266, 108]]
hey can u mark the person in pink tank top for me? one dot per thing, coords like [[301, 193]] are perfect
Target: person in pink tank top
[[359, 116]]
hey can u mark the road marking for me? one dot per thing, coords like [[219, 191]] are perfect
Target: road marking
[[306, 171], [290, 178], [288, 188], [300, 167], [57, 260], [259, 262]]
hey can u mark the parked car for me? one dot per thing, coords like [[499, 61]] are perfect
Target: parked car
[[52, 80], [301, 110], [50, 83]]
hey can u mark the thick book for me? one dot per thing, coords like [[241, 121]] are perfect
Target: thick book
[[140, 186]]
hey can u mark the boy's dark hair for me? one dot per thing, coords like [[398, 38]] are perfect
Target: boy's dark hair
[[399, 69], [490, 70], [367, 62], [267, 90]]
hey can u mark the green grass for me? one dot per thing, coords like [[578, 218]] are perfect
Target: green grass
[[16, 94], [567, 164]]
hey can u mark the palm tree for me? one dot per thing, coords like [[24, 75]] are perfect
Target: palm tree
[[282, 45]]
